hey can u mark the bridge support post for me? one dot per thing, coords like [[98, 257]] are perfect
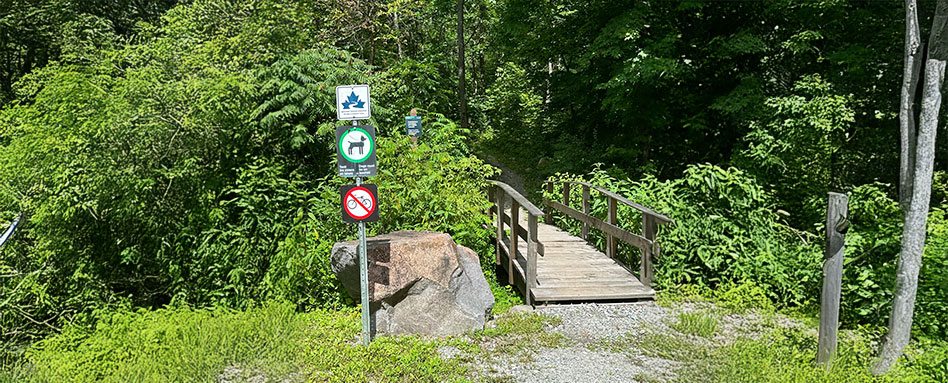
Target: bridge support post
[[499, 205], [514, 242], [585, 211], [612, 218], [549, 210], [531, 271], [649, 229]]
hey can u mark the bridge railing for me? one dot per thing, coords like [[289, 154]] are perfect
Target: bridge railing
[[521, 268], [646, 241]]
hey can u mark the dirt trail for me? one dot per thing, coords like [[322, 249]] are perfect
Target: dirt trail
[[507, 175]]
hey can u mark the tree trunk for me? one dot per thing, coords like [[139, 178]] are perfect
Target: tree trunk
[[913, 231], [907, 109], [461, 96]]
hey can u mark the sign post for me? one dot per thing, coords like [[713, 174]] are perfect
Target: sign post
[[355, 152], [413, 125]]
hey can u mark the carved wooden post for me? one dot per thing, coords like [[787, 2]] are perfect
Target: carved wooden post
[[585, 211], [514, 242], [836, 226], [531, 271], [612, 217], [499, 204], [649, 228], [549, 210]]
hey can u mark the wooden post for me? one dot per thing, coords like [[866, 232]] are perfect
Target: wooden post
[[566, 194], [613, 219], [585, 211], [514, 223], [499, 203], [649, 229], [836, 227], [531, 271], [549, 210]]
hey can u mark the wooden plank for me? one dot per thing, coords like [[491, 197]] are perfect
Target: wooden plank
[[612, 219], [586, 210], [661, 218], [516, 273], [569, 294], [521, 231], [549, 210], [531, 274], [649, 230], [836, 212], [499, 205], [632, 239], [514, 237], [523, 201]]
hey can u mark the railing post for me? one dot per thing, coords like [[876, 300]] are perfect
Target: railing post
[[566, 194], [613, 219], [649, 228], [531, 271], [514, 242], [586, 210], [549, 210], [499, 203]]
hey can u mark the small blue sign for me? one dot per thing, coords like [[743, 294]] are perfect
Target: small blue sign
[[413, 126]]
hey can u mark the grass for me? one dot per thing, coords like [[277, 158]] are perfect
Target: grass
[[269, 343], [780, 354], [272, 342], [703, 324]]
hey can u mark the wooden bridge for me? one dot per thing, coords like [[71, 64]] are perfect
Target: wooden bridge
[[548, 264]]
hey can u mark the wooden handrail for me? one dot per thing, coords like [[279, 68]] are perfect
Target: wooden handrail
[[521, 200], [524, 275], [660, 218], [646, 242]]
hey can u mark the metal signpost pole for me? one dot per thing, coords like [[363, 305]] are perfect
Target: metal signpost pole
[[363, 273]]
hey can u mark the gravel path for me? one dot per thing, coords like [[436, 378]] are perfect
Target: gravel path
[[587, 327], [599, 346]]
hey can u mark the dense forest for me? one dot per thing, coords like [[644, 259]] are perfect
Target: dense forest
[[179, 154]]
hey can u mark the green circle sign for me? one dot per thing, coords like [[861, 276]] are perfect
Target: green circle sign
[[356, 145]]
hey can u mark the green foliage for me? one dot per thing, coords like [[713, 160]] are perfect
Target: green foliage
[[193, 166], [271, 342], [797, 149], [786, 355], [725, 229], [703, 324]]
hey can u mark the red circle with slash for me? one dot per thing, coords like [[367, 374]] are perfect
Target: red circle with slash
[[359, 203]]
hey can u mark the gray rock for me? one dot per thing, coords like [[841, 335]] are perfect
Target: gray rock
[[419, 283]]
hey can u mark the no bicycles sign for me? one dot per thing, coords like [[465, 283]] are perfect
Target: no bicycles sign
[[359, 203]]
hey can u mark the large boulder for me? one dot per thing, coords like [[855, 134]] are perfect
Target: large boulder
[[420, 282]]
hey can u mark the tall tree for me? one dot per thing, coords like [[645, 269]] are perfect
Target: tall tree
[[916, 172], [462, 98]]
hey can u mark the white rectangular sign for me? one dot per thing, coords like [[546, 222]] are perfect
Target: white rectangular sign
[[353, 103]]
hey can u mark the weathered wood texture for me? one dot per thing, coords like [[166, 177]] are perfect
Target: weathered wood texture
[[836, 226], [646, 242], [548, 264]]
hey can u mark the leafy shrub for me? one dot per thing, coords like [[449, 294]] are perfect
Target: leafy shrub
[[149, 177], [726, 229], [728, 237]]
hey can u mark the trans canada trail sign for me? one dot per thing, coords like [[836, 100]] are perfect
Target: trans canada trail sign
[[353, 103], [355, 151]]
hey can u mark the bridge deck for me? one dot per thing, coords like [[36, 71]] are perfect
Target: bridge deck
[[573, 270]]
